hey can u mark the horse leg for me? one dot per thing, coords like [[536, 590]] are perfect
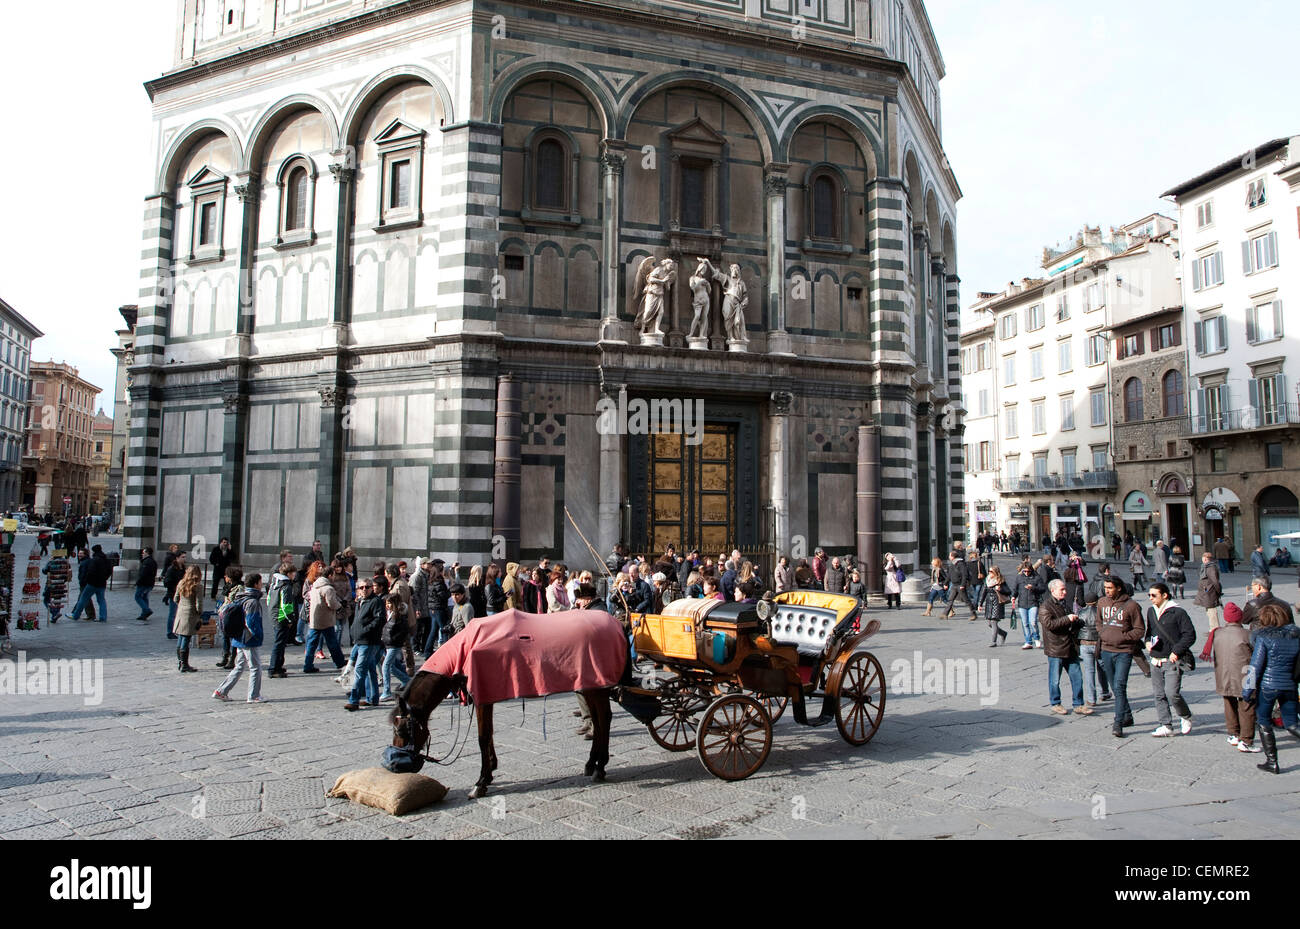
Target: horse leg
[[601, 718], [486, 752]]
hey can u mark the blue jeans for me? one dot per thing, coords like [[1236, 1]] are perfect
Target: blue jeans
[[395, 666], [936, 593], [1287, 701], [330, 638], [1054, 668], [302, 625], [1117, 666], [171, 617], [366, 674], [183, 643], [142, 598], [439, 630], [1094, 673], [85, 598], [1029, 622]]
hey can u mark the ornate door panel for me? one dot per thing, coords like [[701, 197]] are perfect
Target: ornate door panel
[[692, 491]]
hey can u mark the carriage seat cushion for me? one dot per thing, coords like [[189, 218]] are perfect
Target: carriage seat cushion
[[395, 794], [808, 629]]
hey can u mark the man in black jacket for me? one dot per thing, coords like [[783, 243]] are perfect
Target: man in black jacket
[[223, 556], [1261, 592], [958, 584], [367, 636], [1170, 636], [98, 571], [144, 582]]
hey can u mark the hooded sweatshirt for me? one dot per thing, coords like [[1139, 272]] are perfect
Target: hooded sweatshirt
[[1120, 623], [325, 604], [277, 594]]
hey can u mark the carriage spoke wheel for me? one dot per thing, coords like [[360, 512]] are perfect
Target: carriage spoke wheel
[[860, 703], [676, 729], [775, 706], [735, 737]]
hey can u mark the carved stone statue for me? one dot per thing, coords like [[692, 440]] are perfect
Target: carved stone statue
[[651, 295], [702, 302], [735, 301]]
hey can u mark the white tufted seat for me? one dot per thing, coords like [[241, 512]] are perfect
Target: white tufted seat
[[806, 628]]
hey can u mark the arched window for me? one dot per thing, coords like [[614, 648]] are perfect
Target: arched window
[[550, 177], [296, 200], [1133, 400], [1172, 391], [825, 208]]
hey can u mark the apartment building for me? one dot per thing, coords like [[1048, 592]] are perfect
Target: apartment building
[[1241, 271], [16, 337], [59, 458]]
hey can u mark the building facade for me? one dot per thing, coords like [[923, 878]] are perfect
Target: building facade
[[405, 256], [124, 353], [981, 453], [101, 429], [1050, 352], [59, 458], [1241, 271], [16, 337]]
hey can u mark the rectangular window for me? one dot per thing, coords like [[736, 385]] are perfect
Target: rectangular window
[[1211, 335], [1067, 412], [1040, 465], [1035, 318], [208, 224], [1069, 463], [1167, 337], [1066, 353], [1205, 214], [1092, 299], [399, 191], [982, 362], [1012, 416], [1036, 364], [1214, 406], [1097, 400], [695, 187], [1096, 350], [1013, 469], [1218, 460], [1256, 194], [1009, 371], [1007, 326], [1130, 346], [967, 355], [1062, 308], [1264, 322], [1273, 455], [984, 403], [986, 456], [1100, 458], [1259, 254], [1268, 397], [1207, 271], [1039, 415]]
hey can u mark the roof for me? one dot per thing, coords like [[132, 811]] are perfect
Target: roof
[[1232, 164], [21, 320], [1146, 317]]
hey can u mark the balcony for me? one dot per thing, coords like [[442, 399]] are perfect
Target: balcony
[[1088, 480], [1250, 419]]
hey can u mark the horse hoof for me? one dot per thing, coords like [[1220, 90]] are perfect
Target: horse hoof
[[478, 793], [600, 776]]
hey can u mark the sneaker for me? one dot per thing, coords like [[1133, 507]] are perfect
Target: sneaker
[[1163, 732], [388, 698], [1249, 748], [259, 700], [218, 695], [1028, 646], [1186, 725], [1038, 645], [299, 642], [1084, 711], [311, 670], [1060, 710], [1107, 697], [1233, 740], [351, 707]]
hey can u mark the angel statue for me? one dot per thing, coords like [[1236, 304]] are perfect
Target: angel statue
[[651, 294], [702, 299], [735, 301]]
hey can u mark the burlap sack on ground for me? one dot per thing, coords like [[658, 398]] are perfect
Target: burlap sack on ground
[[395, 794]]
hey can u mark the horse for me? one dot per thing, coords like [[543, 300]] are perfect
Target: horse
[[512, 655]]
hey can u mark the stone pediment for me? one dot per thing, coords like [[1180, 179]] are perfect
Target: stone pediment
[[206, 177], [398, 131], [697, 135]]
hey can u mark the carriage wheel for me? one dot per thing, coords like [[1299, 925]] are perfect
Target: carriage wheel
[[735, 737], [860, 702], [775, 706], [676, 729]]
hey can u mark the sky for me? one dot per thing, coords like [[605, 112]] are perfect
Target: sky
[[1055, 115]]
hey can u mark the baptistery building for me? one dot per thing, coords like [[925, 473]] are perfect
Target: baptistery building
[[422, 275]]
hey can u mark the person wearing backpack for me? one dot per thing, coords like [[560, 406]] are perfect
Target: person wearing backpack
[[280, 607], [234, 586], [242, 626]]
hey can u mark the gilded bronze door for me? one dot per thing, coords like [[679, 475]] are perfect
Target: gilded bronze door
[[692, 491]]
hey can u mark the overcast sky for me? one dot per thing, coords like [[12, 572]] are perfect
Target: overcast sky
[[1055, 114]]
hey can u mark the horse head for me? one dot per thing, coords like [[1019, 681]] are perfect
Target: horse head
[[415, 704]]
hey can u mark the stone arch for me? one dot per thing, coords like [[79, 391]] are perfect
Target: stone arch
[[380, 85], [186, 141], [733, 94], [518, 75], [857, 130], [933, 225], [277, 114], [949, 247], [914, 182]]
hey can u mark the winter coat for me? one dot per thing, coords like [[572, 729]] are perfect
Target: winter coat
[[892, 583], [397, 629], [557, 598], [957, 574], [496, 598], [172, 577], [1058, 630], [345, 589], [148, 572], [1137, 562], [477, 599], [1209, 589], [279, 592], [324, 604], [439, 594], [784, 579], [1250, 614], [1089, 633], [1258, 565], [251, 603], [1027, 591], [368, 624], [510, 586], [189, 614], [1232, 655], [403, 589], [993, 608], [420, 594], [1175, 573], [1274, 657], [98, 571], [834, 581], [1160, 560], [1176, 623], [858, 589], [1121, 625]]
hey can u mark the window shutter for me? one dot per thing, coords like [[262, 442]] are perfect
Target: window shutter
[[1252, 325], [1254, 396], [1218, 267], [1178, 333], [1272, 249], [1222, 323], [1198, 334], [1196, 275], [1245, 257], [1277, 318], [1141, 346]]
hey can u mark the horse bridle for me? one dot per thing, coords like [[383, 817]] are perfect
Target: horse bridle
[[458, 744]]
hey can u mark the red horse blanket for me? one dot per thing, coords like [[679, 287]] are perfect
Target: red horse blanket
[[514, 654]]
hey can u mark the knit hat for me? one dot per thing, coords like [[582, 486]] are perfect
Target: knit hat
[[1231, 613]]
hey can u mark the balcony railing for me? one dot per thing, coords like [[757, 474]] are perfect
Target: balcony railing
[[1088, 480], [1264, 417]]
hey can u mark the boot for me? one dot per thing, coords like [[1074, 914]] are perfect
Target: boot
[[1294, 730], [180, 661], [1269, 742], [225, 658], [185, 663]]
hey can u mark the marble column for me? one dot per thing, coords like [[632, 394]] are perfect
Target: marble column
[[613, 159], [612, 484], [869, 514], [779, 458], [507, 482], [775, 183]]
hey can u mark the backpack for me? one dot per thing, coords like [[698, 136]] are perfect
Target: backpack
[[231, 620]]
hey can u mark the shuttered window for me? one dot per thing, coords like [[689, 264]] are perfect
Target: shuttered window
[[1172, 394], [1211, 335], [1264, 322], [1207, 271]]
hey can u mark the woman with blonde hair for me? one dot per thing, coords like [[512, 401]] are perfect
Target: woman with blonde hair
[[189, 616], [746, 572], [938, 585], [511, 586], [996, 597]]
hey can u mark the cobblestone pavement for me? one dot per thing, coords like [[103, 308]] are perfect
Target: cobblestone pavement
[[160, 758]]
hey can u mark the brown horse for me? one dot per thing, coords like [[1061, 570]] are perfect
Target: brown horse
[[427, 691], [512, 655]]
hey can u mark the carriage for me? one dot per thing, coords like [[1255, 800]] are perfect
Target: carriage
[[733, 669]]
